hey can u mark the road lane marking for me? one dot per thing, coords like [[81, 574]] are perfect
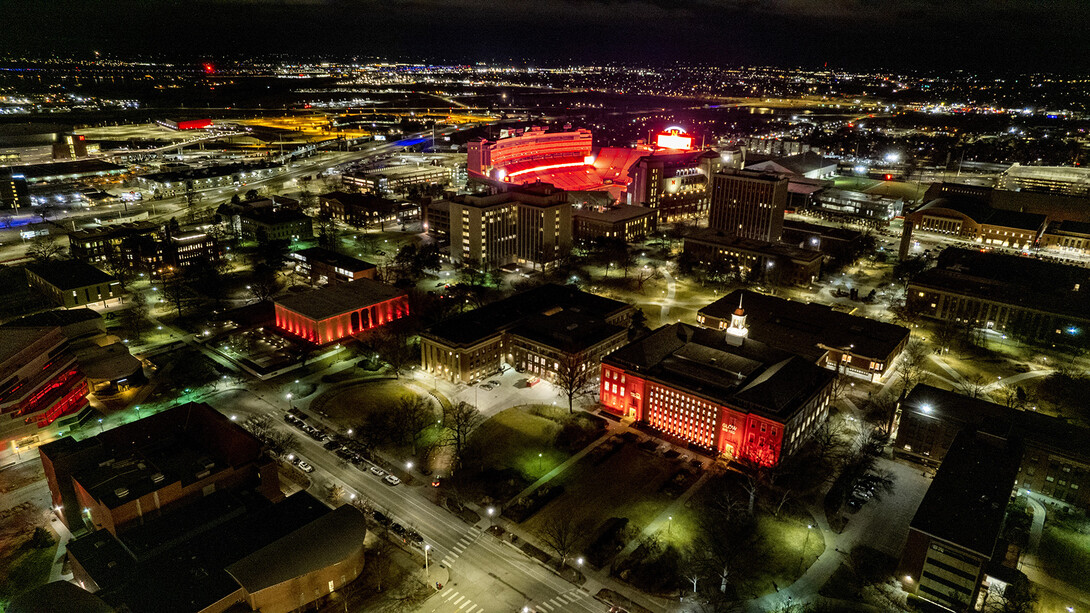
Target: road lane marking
[[452, 595], [460, 599], [544, 606]]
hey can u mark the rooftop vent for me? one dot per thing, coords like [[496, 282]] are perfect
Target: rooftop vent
[[121, 492], [157, 478]]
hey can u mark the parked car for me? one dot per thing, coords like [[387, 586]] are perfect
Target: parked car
[[392, 480], [378, 472], [307, 468]]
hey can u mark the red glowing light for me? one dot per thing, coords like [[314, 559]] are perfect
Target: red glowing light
[[674, 138], [209, 68]]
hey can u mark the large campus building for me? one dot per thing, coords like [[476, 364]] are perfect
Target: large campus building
[[357, 210], [849, 344], [1032, 299], [954, 555], [41, 385], [755, 260], [1056, 458], [107, 481], [528, 225], [336, 311], [536, 331], [748, 204], [182, 512], [675, 184], [73, 283], [718, 390]]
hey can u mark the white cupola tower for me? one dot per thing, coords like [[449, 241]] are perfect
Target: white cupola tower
[[737, 331]]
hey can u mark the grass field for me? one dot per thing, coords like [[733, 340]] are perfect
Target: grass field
[[350, 404], [25, 569], [625, 485], [781, 557], [1065, 551], [514, 438]]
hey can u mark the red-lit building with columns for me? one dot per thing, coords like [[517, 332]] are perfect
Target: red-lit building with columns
[[326, 315], [718, 390], [41, 387]]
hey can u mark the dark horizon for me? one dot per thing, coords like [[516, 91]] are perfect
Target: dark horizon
[[855, 34]]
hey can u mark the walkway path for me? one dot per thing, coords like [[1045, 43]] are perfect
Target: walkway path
[[1031, 566], [671, 293], [664, 517], [566, 464]]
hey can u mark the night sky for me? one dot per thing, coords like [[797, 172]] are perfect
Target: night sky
[[1044, 35]]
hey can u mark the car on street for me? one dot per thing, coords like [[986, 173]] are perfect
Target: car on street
[[392, 480], [307, 468], [378, 472], [494, 382]]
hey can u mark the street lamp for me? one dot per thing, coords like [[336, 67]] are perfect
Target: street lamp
[[100, 430], [409, 465], [427, 570], [491, 512], [806, 542]]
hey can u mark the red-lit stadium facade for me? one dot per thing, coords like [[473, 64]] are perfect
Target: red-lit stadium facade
[[532, 151]]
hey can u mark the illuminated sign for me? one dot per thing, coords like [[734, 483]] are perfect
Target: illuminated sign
[[674, 138]]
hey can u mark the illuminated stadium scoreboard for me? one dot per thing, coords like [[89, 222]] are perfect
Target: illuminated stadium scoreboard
[[674, 138]]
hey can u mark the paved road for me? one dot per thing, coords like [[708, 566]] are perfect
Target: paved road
[[485, 573]]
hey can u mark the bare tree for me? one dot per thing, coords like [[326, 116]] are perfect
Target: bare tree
[[840, 386], [460, 419], [913, 363], [1008, 395], [264, 287], [335, 494], [136, 317], [573, 375], [560, 534], [973, 386], [44, 248], [415, 413]]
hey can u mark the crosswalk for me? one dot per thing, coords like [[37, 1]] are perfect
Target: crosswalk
[[463, 604], [459, 603], [558, 603], [467, 539]]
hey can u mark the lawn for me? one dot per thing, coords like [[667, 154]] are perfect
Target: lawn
[[897, 189], [27, 568], [627, 484], [858, 184], [1064, 551], [348, 405], [515, 438], [779, 555]]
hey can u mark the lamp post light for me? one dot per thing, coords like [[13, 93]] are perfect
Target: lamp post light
[[100, 427], [805, 543], [427, 569], [491, 513]]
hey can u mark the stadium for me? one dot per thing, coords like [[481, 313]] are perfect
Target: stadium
[[567, 160]]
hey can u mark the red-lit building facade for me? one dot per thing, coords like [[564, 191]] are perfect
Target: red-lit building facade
[[334, 312], [40, 383], [528, 152], [721, 392]]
